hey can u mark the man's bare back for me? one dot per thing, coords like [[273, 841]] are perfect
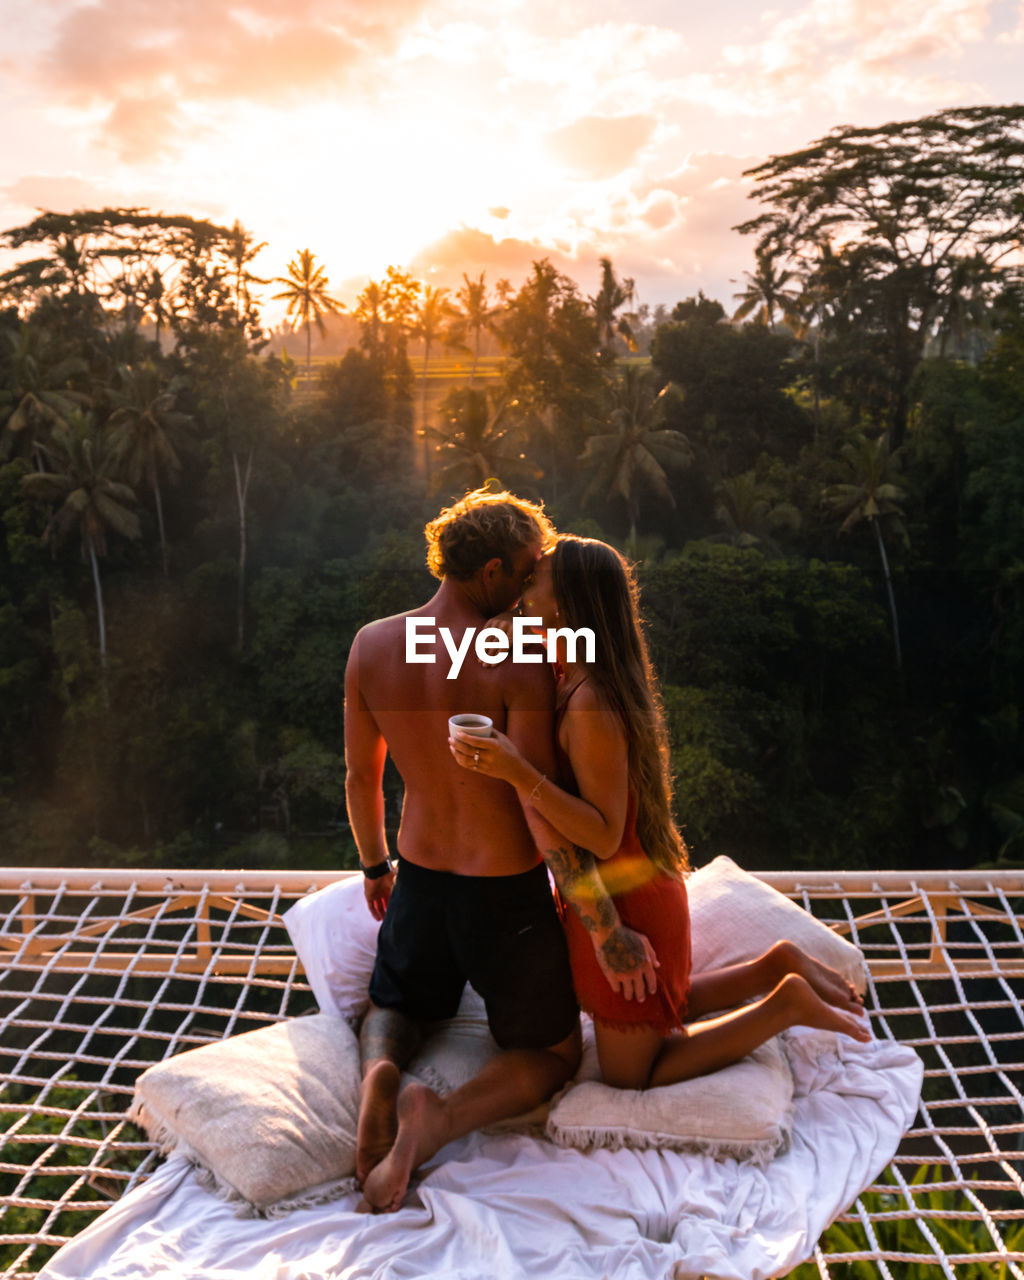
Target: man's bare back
[[451, 821]]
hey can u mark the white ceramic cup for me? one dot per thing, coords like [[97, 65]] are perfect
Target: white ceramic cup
[[470, 725]]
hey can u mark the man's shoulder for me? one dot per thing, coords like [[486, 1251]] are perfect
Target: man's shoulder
[[384, 630]]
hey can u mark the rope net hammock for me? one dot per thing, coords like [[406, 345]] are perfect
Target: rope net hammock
[[103, 973]]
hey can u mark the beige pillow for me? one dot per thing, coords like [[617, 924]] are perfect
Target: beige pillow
[[455, 1051], [744, 1112], [736, 917], [268, 1117]]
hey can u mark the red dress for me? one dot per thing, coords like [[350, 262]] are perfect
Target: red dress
[[651, 902]]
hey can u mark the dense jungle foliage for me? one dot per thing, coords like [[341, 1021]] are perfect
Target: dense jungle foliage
[[822, 480]]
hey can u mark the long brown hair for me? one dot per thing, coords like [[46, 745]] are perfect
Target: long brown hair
[[596, 587]]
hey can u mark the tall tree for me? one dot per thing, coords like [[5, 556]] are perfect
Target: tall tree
[[241, 250], [613, 295], [147, 432], [104, 260], [766, 293], [240, 400], [913, 198], [871, 494], [307, 297], [39, 394], [476, 442], [751, 512], [386, 311], [434, 314], [476, 315], [638, 451], [92, 500]]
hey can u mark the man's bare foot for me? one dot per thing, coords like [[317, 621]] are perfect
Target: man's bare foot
[[811, 1010], [378, 1119], [422, 1131], [828, 983]]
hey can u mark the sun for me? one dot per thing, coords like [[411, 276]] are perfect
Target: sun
[[361, 187]]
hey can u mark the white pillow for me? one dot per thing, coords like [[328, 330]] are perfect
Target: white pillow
[[335, 937], [744, 1112], [268, 1117], [736, 917]]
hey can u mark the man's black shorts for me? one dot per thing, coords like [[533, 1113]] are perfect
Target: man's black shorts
[[499, 933]]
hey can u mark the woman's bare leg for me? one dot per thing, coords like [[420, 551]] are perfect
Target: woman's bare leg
[[736, 984], [626, 1057], [642, 1058]]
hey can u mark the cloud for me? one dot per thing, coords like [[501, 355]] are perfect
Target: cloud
[[601, 146], [847, 52], [146, 60], [471, 250], [52, 191], [672, 232]]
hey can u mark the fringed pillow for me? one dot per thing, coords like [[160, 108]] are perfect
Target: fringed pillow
[[743, 1112], [736, 917], [267, 1117]]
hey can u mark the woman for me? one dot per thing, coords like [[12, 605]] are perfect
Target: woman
[[614, 798]]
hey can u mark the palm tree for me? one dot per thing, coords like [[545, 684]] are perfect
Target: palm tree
[[751, 515], [155, 299], [613, 295], [147, 432], [477, 314], [240, 252], [766, 293], [872, 494], [432, 317], [83, 480], [38, 397], [638, 452], [370, 314], [307, 297], [475, 443]]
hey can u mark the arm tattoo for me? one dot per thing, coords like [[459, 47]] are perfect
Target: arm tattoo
[[618, 949], [622, 951], [575, 872]]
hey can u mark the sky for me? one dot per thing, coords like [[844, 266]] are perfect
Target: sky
[[470, 135]]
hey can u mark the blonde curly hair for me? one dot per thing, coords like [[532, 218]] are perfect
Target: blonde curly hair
[[484, 525]]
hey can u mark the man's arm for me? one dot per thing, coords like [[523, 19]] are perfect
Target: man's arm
[[626, 957], [365, 754]]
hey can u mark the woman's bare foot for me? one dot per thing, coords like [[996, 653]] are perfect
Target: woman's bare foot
[[378, 1119], [828, 983], [809, 1009], [422, 1131]]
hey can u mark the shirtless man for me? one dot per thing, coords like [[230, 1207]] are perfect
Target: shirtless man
[[471, 901]]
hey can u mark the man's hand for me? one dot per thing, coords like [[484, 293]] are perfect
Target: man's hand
[[628, 961], [378, 893]]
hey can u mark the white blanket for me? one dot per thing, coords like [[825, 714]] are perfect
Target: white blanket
[[513, 1207]]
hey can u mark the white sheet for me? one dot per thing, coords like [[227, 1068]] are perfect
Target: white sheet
[[513, 1207]]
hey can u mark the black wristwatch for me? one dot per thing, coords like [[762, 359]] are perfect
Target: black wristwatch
[[381, 869]]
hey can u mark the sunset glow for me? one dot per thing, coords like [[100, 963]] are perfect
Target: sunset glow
[[468, 137]]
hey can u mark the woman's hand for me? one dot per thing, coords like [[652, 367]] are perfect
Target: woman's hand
[[628, 961], [502, 622], [496, 756]]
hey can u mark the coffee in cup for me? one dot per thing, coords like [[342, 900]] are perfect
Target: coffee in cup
[[469, 725]]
